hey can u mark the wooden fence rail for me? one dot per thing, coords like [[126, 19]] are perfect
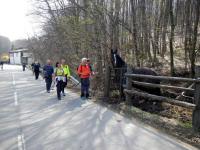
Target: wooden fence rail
[[162, 86], [160, 98], [130, 78], [131, 81], [177, 79]]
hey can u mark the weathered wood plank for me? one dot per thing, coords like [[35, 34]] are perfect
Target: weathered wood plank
[[162, 86], [129, 87], [177, 79], [196, 112], [107, 83], [160, 98]]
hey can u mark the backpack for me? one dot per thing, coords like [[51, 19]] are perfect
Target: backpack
[[90, 67]]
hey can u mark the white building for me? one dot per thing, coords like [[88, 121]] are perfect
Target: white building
[[20, 56]]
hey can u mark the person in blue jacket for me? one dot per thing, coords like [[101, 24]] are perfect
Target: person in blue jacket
[[48, 75]]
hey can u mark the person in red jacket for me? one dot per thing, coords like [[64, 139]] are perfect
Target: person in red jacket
[[84, 73]]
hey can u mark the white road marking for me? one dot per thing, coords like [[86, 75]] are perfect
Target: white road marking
[[20, 138], [16, 100], [13, 77], [21, 142]]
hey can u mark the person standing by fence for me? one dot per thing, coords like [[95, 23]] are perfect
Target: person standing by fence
[[91, 68], [48, 74], [84, 73], [59, 77], [65, 67]]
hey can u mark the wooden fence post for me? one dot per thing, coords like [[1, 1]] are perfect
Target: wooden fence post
[[107, 82], [196, 112], [128, 86], [121, 84]]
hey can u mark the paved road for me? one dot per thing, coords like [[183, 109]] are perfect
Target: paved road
[[32, 119]]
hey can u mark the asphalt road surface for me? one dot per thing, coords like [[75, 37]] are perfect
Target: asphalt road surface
[[31, 119]]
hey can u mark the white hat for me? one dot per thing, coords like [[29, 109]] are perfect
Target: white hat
[[83, 59]]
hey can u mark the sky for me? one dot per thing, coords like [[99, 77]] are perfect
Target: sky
[[15, 20]]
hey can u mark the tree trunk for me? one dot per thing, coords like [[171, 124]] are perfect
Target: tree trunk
[[172, 39], [164, 31], [194, 39], [134, 34], [187, 30]]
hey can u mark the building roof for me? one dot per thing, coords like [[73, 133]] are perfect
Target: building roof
[[19, 50]]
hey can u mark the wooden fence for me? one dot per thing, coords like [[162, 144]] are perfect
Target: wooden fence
[[129, 91], [114, 78]]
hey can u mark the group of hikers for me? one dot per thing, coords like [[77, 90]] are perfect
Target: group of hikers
[[60, 74]]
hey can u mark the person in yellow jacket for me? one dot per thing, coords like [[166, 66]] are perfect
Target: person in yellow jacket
[[65, 67], [60, 77]]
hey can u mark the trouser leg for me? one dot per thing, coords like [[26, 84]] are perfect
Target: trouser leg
[[48, 83], [36, 74], [82, 88], [66, 80], [87, 85], [46, 80], [59, 88], [64, 86]]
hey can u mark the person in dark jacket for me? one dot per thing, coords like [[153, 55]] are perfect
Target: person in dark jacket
[[1, 65], [23, 66], [48, 74], [36, 70], [32, 67]]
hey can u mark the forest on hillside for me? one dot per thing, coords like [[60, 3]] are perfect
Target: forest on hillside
[[19, 44], [5, 44], [153, 33]]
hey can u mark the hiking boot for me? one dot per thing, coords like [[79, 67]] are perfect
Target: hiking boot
[[82, 95], [87, 96]]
